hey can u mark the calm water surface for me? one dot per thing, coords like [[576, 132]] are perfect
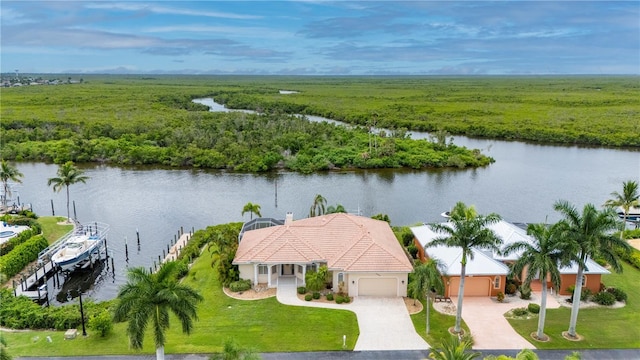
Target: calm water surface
[[521, 185]]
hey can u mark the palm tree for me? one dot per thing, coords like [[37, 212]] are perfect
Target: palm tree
[[150, 297], [318, 207], [68, 174], [626, 200], [8, 173], [427, 276], [467, 230], [315, 280], [541, 257], [251, 209], [336, 209], [454, 349], [589, 235]]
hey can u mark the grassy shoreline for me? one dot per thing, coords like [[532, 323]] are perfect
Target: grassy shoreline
[[262, 325]]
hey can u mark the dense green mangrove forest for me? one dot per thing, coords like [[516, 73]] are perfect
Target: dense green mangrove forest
[[152, 120]]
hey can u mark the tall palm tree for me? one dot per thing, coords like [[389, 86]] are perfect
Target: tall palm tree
[[542, 257], [466, 230], [251, 209], [626, 200], [150, 297], [589, 235], [68, 174], [318, 207], [8, 173], [427, 276]]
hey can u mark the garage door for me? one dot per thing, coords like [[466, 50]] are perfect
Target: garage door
[[387, 287], [473, 286]]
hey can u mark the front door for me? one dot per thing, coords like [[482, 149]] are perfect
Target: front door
[[287, 269]]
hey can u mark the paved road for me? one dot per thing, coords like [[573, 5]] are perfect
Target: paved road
[[633, 354]]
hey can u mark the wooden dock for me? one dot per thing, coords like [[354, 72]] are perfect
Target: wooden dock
[[22, 289], [174, 251]]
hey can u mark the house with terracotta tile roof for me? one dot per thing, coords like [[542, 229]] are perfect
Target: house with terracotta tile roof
[[362, 254], [488, 270]]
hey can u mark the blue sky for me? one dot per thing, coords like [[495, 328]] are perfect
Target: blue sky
[[321, 37]]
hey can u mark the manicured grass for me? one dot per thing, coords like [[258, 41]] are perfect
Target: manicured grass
[[439, 325], [50, 228], [602, 328], [262, 325]]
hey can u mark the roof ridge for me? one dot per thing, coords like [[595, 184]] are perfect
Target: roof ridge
[[349, 244]]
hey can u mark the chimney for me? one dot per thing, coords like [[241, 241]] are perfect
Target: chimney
[[289, 218]]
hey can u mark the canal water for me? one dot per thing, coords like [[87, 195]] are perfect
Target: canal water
[[521, 186]]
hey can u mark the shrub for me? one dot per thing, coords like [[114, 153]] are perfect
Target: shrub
[[632, 256], [618, 293], [604, 298], [519, 311], [346, 299], [413, 250], [603, 287], [500, 296], [339, 299], [316, 295], [601, 261], [302, 290], [101, 322], [308, 297], [6, 247], [240, 285], [584, 295], [182, 269], [13, 262], [330, 296], [510, 289], [525, 292], [533, 308]]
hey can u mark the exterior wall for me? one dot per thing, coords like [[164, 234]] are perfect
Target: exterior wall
[[246, 271], [452, 283], [351, 283], [336, 283], [593, 283], [421, 256]]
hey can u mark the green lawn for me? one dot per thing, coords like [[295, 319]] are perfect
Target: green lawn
[[439, 325], [601, 328], [50, 228], [263, 325]]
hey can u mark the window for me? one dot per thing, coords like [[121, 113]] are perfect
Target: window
[[274, 269], [584, 280], [340, 277], [496, 282], [299, 269], [312, 267], [263, 269]]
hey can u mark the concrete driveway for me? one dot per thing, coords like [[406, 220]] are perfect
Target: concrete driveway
[[384, 323], [490, 329]]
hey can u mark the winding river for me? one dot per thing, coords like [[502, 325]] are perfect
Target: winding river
[[521, 186]]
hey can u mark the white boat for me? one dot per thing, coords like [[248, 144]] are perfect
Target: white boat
[[80, 248], [632, 216]]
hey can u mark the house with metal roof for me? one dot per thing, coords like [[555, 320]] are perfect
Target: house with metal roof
[[362, 254], [487, 271]]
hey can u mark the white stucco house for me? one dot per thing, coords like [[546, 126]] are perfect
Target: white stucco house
[[362, 254]]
